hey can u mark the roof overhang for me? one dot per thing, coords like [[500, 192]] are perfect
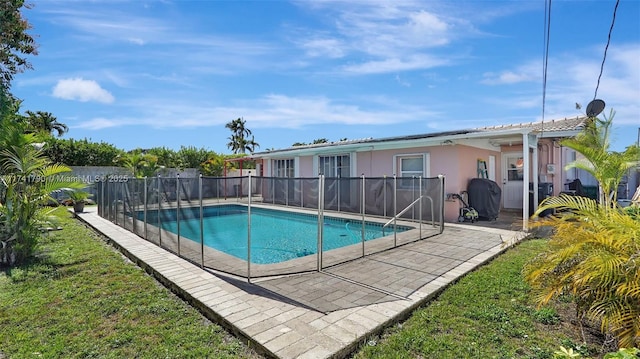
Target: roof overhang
[[385, 144]]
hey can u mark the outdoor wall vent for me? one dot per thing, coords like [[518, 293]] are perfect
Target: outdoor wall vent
[[551, 169]]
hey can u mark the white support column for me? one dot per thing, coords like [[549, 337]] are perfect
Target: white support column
[[534, 147], [526, 175]]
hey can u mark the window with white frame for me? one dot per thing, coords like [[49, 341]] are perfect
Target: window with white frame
[[335, 166], [283, 168], [411, 166]]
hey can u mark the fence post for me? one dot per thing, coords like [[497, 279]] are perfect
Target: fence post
[[102, 201], [109, 200], [201, 222], [99, 198], [420, 207], [159, 211], [338, 191], [121, 201], [395, 210], [144, 207], [249, 233], [320, 219], [125, 202], [178, 209], [133, 205], [286, 192], [105, 207], [413, 197], [273, 190], [217, 190], [363, 214], [384, 195], [441, 177]]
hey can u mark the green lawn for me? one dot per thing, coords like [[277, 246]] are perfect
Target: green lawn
[[487, 314], [80, 298]]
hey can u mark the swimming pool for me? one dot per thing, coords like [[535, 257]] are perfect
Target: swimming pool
[[276, 236]]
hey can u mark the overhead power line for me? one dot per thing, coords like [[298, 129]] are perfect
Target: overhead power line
[[613, 21], [547, 31]]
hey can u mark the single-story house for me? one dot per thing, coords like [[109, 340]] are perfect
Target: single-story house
[[511, 155]]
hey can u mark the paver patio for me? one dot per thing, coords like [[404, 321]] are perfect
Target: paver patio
[[319, 314]]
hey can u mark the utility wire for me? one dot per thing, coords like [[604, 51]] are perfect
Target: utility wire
[[547, 31], [613, 21]]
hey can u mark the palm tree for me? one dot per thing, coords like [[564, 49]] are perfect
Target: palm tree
[[238, 141], [27, 179], [592, 259], [45, 122], [141, 165], [605, 166], [593, 251]]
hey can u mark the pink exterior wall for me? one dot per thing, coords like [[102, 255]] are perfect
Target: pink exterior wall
[[458, 163], [551, 153], [306, 166]]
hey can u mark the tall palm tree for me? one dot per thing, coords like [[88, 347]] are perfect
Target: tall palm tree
[[46, 122], [238, 141]]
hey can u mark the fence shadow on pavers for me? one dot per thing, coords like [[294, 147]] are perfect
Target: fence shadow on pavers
[[324, 292], [390, 275], [263, 291]]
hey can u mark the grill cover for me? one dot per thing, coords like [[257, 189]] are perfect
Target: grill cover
[[484, 197]]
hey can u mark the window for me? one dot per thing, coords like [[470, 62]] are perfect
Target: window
[[515, 169], [335, 166], [411, 166], [283, 168]]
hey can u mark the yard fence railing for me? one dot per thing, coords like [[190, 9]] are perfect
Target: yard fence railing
[[228, 224]]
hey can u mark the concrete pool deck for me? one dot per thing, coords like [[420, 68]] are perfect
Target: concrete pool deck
[[323, 314]]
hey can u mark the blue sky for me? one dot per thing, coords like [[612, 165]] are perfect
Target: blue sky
[[173, 73]]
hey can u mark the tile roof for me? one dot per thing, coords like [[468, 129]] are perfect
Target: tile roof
[[565, 124], [559, 125]]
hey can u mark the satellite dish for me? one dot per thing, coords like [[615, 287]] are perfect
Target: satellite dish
[[595, 107]]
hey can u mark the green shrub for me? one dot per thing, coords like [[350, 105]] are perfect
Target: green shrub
[[547, 316]]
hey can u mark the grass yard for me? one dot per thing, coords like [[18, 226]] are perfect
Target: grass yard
[[487, 314], [81, 299]]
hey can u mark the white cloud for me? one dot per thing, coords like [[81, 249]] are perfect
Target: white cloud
[[98, 124], [402, 82], [135, 40], [331, 48], [507, 77], [416, 62], [82, 90], [269, 111]]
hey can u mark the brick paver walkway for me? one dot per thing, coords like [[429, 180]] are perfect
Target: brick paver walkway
[[319, 314]]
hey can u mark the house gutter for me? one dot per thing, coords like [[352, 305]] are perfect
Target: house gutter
[[368, 145]]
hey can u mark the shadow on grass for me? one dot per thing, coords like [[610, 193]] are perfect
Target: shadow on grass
[[41, 266]]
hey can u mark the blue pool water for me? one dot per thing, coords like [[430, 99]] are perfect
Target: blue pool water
[[276, 236]]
